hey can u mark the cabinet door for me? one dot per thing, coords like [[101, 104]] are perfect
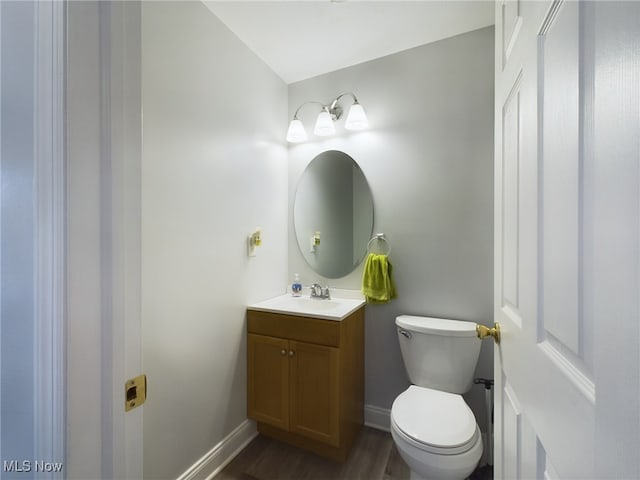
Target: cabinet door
[[314, 406], [268, 380]]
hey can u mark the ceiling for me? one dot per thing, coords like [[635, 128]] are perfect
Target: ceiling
[[303, 39]]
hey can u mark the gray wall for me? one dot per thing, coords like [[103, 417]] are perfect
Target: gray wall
[[17, 228], [213, 168], [428, 157]]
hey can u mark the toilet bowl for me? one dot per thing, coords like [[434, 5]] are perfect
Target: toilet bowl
[[436, 434], [433, 428]]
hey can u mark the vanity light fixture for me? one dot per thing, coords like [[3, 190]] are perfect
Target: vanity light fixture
[[324, 124], [356, 119]]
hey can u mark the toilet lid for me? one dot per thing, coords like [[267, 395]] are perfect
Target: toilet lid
[[433, 418], [437, 326]]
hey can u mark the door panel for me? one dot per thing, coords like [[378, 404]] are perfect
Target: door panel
[[511, 204], [268, 380], [561, 164], [511, 433], [314, 391], [511, 22]]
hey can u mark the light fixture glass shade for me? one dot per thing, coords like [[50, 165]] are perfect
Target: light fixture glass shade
[[296, 132], [357, 119], [324, 124]]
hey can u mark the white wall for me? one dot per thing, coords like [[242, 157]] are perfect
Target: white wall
[[428, 157], [214, 167]]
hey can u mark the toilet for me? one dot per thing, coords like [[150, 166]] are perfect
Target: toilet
[[433, 428]]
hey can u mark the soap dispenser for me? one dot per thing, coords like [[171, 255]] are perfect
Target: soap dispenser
[[296, 286]]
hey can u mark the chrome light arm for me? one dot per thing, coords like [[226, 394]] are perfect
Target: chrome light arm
[[322, 105], [335, 109]]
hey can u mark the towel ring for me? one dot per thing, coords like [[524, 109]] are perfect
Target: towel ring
[[381, 237]]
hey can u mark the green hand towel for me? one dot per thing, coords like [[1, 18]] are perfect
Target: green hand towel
[[377, 282]]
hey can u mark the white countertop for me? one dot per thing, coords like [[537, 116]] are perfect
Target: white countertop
[[341, 305]]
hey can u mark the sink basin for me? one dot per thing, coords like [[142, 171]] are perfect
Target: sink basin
[[333, 309]]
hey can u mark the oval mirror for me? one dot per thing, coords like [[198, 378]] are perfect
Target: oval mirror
[[333, 214]]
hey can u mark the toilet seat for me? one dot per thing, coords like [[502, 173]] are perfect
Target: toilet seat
[[434, 421]]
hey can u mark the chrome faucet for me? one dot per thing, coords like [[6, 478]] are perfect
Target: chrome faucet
[[318, 292]]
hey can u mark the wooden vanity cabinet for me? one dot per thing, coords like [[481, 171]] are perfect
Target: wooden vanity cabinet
[[305, 380]]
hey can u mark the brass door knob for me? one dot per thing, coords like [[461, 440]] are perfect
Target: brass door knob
[[484, 332]]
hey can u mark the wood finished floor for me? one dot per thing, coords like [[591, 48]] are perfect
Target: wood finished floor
[[374, 457]]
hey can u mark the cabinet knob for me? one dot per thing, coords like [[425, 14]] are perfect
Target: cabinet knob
[[291, 353], [283, 352]]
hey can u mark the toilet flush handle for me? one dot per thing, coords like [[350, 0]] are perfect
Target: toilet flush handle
[[404, 332]]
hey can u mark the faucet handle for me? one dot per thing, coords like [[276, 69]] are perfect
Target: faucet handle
[[318, 292]]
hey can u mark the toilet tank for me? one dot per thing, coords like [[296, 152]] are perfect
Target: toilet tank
[[439, 353]]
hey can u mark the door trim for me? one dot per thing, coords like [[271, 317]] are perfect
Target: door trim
[[50, 228], [103, 332]]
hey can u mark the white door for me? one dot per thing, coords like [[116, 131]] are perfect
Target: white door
[[567, 239]]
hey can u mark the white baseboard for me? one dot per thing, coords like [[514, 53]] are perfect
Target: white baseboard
[[219, 456], [376, 417]]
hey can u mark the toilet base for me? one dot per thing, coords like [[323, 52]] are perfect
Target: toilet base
[[414, 476], [429, 466]]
